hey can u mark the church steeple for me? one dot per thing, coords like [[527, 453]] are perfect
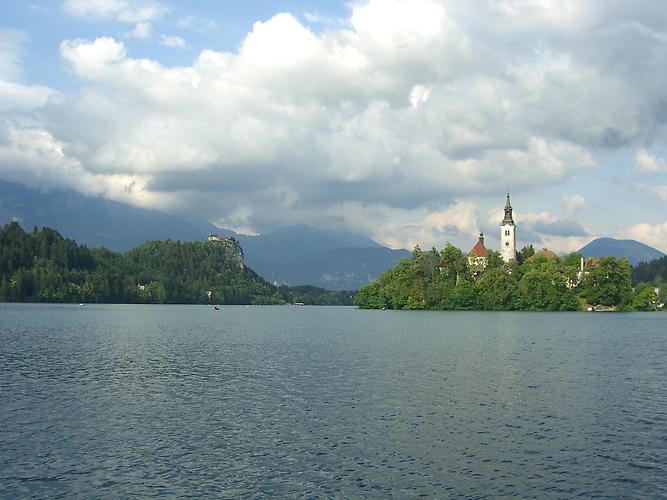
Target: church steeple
[[508, 212], [508, 234]]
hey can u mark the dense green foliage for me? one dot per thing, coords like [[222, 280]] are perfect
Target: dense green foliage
[[651, 275], [654, 271], [446, 280], [43, 266]]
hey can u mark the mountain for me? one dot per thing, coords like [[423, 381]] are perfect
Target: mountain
[[294, 244], [635, 251], [295, 255], [300, 255], [93, 220], [335, 269]]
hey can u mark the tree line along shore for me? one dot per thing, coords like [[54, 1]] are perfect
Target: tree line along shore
[[43, 266], [448, 280]]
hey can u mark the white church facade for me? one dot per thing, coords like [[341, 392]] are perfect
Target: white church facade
[[477, 256], [508, 234]]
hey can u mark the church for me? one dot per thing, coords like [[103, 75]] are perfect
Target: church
[[477, 256]]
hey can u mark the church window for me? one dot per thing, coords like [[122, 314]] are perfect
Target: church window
[[507, 243]]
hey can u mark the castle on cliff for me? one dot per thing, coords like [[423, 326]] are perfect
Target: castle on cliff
[[231, 246]]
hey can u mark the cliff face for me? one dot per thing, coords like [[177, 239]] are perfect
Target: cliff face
[[231, 246]]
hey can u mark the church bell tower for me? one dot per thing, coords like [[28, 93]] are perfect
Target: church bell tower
[[508, 234]]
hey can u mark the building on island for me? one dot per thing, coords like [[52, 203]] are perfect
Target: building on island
[[545, 253], [477, 256], [508, 234]]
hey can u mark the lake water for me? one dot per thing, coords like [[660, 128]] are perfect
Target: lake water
[[114, 400]]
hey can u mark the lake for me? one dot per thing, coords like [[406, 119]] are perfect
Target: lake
[[119, 400]]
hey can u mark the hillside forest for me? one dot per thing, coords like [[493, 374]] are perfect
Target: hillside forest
[[42, 266]]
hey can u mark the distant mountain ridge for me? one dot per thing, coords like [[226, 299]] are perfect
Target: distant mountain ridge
[[93, 220], [635, 251], [335, 269], [303, 255], [292, 244], [292, 255]]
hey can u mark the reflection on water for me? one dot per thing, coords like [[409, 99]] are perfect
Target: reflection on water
[[278, 401]]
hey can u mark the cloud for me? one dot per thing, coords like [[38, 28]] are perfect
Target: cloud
[[173, 41], [563, 245], [126, 11], [93, 59], [654, 235], [143, 31], [646, 162], [199, 24], [33, 157], [405, 110], [11, 49], [405, 228], [545, 230], [15, 95], [316, 18], [657, 191], [572, 203], [560, 228]]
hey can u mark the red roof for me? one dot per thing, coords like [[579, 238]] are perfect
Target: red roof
[[479, 249]]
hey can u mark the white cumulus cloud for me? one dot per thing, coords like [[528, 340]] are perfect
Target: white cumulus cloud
[[409, 110], [647, 162], [654, 235]]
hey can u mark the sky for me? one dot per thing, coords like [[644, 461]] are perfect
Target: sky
[[405, 120]]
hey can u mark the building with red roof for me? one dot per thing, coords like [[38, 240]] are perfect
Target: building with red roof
[[477, 256]]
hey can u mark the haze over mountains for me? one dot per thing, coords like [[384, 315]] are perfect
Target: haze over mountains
[[292, 255], [92, 220], [336, 260]]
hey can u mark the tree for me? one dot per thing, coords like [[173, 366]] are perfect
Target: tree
[[545, 290], [464, 296], [645, 297], [654, 271], [525, 253], [609, 282], [493, 260], [499, 291], [453, 263]]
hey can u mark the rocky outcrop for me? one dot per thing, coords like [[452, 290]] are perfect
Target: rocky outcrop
[[231, 245]]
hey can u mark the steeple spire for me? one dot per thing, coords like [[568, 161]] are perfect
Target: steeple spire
[[508, 212]]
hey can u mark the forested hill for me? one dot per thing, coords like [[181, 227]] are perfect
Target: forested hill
[[41, 265], [542, 282], [654, 271]]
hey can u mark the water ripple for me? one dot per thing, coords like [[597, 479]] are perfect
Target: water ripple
[[329, 402]]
